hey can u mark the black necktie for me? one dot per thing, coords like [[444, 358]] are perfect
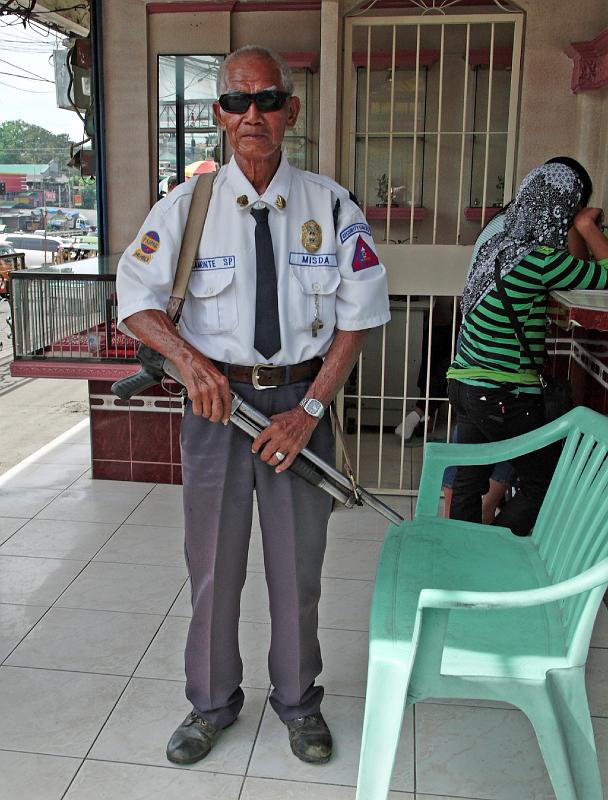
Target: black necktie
[[267, 338]]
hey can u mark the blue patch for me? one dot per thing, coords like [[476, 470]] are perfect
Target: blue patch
[[356, 227], [150, 242], [217, 262], [313, 259]]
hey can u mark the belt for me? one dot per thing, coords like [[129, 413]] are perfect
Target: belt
[[267, 376]]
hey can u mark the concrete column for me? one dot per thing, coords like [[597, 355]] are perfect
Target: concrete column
[[125, 62], [329, 88]]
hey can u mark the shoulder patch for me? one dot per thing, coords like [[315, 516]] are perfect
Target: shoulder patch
[[356, 227], [364, 256], [149, 244]]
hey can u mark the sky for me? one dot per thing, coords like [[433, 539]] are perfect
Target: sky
[[27, 52]]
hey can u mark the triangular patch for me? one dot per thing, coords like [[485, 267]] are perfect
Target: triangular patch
[[364, 256]]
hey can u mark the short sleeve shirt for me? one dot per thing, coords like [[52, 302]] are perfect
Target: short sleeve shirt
[[327, 266]]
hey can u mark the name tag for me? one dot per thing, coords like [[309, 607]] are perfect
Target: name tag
[[356, 227], [218, 262], [313, 259]]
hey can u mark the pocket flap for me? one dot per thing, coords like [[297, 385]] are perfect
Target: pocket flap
[[211, 282], [317, 280]]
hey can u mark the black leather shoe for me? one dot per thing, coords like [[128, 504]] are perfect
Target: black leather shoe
[[192, 741], [310, 738]]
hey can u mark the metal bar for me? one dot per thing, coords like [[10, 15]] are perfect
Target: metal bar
[[180, 143], [390, 141], [513, 105], [455, 19], [488, 126], [382, 378], [465, 103], [427, 389], [366, 155], [416, 95], [405, 366], [438, 154], [359, 407]]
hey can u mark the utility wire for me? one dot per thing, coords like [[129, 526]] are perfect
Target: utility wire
[[23, 69], [29, 91], [25, 77]]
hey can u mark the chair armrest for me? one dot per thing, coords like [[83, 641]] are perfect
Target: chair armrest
[[590, 579], [438, 457]]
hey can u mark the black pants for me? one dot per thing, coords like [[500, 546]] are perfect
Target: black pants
[[490, 415]]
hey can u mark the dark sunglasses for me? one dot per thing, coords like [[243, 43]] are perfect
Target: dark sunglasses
[[239, 102]]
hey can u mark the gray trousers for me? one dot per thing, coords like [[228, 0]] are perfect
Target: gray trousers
[[220, 474]]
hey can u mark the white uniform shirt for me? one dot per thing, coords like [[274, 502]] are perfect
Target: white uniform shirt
[[339, 278]]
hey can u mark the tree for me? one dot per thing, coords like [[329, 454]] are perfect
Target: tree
[[22, 143]]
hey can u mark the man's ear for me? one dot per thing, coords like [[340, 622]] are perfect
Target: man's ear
[[294, 110], [217, 113]]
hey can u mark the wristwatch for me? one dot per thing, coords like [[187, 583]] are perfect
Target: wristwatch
[[313, 407]]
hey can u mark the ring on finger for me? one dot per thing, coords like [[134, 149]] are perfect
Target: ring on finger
[[280, 456]]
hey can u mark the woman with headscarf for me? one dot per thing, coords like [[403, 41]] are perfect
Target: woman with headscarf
[[493, 387]]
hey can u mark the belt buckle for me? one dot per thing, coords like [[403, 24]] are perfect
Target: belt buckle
[[255, 376]]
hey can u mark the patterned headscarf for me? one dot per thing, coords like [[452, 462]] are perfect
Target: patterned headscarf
[[541, 215]]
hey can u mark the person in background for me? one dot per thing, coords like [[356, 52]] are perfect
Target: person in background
[[493, 388], [503, 475]]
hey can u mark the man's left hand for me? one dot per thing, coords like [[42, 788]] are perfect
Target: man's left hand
[[288, 434]]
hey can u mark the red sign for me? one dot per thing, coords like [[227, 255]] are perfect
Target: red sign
[[77, 199], [50, 195]]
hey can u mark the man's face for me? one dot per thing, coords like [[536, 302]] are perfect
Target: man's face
[[256, 135]]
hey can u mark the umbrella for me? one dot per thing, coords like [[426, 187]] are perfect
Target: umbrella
[[198, 167]]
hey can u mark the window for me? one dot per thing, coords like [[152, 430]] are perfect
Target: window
[[187, 131], [299, 142], [374, 126]]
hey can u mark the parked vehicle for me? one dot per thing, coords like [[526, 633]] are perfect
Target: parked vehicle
[[39, 250], [6, 265]]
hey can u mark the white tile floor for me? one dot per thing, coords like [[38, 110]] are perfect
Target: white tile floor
[[94, 610]]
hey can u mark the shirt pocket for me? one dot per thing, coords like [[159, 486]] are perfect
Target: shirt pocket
[[313, 295], [211, 305]]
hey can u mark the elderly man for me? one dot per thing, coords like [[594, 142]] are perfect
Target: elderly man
[[284, 288]]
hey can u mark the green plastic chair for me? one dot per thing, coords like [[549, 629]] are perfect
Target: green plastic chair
[[472, 611]]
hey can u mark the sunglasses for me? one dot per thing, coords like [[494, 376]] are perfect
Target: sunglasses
[[239, 102]]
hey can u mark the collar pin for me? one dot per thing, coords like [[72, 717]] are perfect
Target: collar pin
[[280, 202], [242, 200]]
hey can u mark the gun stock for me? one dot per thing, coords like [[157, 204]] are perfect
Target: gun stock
[[151, 372]]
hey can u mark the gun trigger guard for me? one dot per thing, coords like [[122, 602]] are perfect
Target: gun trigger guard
[[165, 385]]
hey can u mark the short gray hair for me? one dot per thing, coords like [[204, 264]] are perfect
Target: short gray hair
[[262, 52]]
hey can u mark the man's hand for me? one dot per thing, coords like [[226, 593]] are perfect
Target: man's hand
[[208, 389], [289, 433]]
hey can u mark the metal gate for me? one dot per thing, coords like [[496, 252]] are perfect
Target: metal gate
[[429, 134]]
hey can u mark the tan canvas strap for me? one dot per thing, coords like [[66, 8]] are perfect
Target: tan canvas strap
[[190, 241], [347, 465]]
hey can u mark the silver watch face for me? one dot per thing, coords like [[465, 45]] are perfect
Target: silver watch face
[[313, 407]]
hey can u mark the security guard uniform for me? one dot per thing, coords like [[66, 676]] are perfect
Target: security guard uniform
[[328, 277]]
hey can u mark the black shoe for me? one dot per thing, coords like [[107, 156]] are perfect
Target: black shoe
[[192, 741], [310, 738]]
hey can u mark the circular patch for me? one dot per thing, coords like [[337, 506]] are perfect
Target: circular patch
[[150, 242]]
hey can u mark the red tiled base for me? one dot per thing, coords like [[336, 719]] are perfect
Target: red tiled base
[[112, 470], [135, 445], [151, 472]]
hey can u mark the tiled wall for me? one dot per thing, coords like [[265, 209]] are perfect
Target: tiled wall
[[131, 444]]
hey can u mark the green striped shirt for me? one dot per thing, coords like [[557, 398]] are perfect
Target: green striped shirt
[[490, 352]]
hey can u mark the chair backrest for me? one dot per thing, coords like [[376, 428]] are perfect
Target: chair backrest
[[571, 531]]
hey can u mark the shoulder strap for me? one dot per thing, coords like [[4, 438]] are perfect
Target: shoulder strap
[[513, 319], [190, 241]]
